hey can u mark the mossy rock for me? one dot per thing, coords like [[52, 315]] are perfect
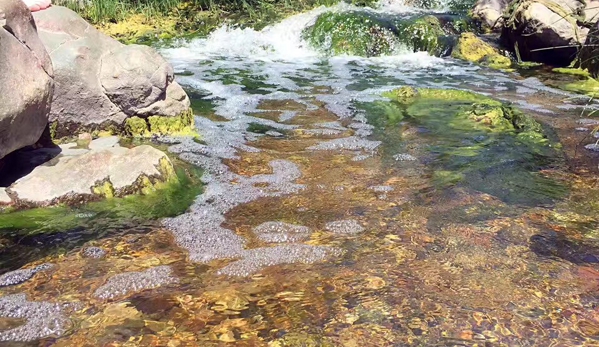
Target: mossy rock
[[182, 125], [351, 33], [472, 48], [423, 33], [475, 141], [588, 86]]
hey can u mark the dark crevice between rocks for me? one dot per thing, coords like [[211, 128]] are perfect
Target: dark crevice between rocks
[[22, 162]]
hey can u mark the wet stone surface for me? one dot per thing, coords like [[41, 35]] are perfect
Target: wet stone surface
[[94, 252]]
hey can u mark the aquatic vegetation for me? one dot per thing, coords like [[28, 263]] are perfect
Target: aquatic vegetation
[[423, 33], [473, 49], [182, 125], [588, 86], [352, 33], [478, 142]]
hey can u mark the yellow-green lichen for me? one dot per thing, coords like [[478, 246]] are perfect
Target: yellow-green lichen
[[104, 189], [571, 71], [167, 169], [182, 125], [589, 86], [473, 49]]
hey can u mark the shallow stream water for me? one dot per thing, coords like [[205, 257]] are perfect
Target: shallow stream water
[[320, 227]]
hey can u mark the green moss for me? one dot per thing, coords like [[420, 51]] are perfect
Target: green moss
[[352, 33], [589, 86], [473, 49], [571, 71], [104, 189], [135, 126], [181, 125], [165, 199], [422, 33], [474, 141]]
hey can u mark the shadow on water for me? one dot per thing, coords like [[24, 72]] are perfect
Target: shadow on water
[[550, 244]]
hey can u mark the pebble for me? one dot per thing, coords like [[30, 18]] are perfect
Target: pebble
[[94, 252], [592, 147], [351, 143], [346, 226], [404, 157]]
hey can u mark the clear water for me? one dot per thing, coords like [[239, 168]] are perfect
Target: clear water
[[377, 254]]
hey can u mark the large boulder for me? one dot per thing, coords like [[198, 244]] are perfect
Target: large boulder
[[101, 82], [545, 31], [26, 79], [490, 13]]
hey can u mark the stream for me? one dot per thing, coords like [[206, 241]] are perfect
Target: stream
[[331, 217]]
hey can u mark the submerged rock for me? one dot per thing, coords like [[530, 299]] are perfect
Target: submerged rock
[[101, 82], [351, 143], [26, 79], [42, 318], [106, 172], [280, 232], [131, 282], [472, 48], [346, 226], [94, 252], [22, 275], [353, 33], [490, 13], [257, 259]]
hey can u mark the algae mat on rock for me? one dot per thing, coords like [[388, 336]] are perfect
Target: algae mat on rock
[[474, 141]]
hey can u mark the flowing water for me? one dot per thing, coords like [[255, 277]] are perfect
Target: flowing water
[[326, 220]]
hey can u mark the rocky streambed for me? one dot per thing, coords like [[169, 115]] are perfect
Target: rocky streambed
[[324, 200]]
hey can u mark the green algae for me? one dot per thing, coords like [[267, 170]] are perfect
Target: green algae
[[422, 33], [159, 125], [164, 199], [571, 71], [352, 33], [588, 86], [473, 49], [476, 141]]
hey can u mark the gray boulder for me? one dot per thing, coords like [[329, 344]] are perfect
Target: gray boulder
[[546, 31], [26, 79], [101, 82], [490, 13]]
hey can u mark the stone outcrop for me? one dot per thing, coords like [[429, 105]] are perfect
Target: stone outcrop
[[545, 31], [101, 82], [489, 13], [26, 79], [103, 169]]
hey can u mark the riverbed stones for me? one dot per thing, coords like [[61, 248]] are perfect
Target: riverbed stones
[[101, 172], [101, 82], [26, 81], [42, 319], [94, 252], [131, 282]]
